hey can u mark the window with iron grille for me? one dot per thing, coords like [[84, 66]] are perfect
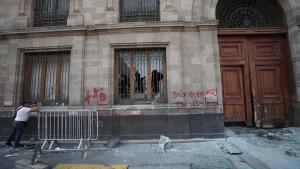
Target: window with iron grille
[[139, 10], [249, 14], [140, 76], [51, 12], [46, 78]]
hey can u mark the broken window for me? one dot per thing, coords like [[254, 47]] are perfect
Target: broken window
[[140, 76], [46, 77]]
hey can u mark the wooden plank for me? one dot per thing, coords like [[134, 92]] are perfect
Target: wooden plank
[[43, 79]]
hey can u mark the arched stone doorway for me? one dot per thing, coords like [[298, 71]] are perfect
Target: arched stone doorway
[[254, 60]]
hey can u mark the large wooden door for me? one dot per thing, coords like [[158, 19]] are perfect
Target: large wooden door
[[254, 90], [267, 64]]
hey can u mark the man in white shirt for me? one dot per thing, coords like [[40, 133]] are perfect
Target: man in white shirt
[[20, 122]]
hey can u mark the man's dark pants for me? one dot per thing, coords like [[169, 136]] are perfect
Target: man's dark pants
[[18, 128]]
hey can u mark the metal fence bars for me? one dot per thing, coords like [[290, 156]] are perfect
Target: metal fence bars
[[67, 125]]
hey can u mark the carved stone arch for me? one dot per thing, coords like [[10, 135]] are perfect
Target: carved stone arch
[[203, 10], [249, 14], [286, 5]]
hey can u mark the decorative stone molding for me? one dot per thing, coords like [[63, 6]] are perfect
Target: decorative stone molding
[[22, 7], [168, 10], [111, 5], [75, 6], [168, 4], [75, 17], [21, 21]]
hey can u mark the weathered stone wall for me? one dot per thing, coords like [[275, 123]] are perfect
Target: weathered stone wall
[[9, 10], [92, 56], [12, 52], [188, 31], [188, 68]]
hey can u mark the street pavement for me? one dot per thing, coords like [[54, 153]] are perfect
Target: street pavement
[[242, 148]]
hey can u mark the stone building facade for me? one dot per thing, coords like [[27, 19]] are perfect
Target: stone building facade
[[95, 43]]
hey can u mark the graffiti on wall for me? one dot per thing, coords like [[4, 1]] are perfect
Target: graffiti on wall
[[97, 95], [197, 99]]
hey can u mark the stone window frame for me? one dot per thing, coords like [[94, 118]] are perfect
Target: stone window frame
[[145, 45], [46, 77], [20, 66]]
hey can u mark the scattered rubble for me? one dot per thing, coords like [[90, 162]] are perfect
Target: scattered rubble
[[291, 153], [113, 142], [230, 149], [11, 155], [26, 164]]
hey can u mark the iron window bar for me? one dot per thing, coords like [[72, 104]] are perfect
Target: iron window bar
[[248, 14], [139, 10], [140, 76], [46, 77], [51, 13]]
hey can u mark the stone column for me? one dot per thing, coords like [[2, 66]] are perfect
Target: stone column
[[294, 36], [212, 74]]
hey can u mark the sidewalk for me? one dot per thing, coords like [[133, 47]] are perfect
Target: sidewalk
[[260, 149]]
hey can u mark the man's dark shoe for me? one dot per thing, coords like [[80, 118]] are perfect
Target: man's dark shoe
[[8, 143], [19, 145]]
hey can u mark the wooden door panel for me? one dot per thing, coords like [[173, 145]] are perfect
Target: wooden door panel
[[232, 49], [233, 93], [270, 92], [266, 65], [270, 84], [273, 111], [267, 50]]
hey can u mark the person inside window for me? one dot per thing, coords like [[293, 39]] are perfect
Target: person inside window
[[124, 86], [155, 81]]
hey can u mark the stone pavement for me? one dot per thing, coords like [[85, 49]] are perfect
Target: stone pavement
[[259, 149]]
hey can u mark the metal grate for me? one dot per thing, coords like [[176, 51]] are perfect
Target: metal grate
[[139, 10], [51, 12], [248, 14], [46, 78], [140, 76]]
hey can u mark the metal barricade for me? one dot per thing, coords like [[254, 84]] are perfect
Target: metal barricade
[[67, 125]]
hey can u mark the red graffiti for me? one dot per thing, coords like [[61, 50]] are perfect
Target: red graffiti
[[97, 94], [198, 99], [194, 94]]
